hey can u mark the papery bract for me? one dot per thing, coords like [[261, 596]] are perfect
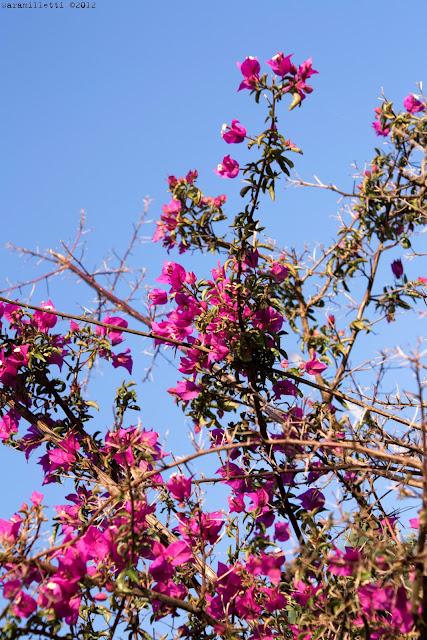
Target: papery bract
[[234, 133], [412, 104], [249, 69], [281, 64], [228, 168]]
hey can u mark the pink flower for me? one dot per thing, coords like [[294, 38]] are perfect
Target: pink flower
[[233, 134], [314, 367], [281, 64], [279, 272], [167, 558], [64, 456], [415, 523], [268, 320], [206, 526], [179, 486], [344, 564], [312, 499], [228, 168], [123, 359], [412, 104], [281, 531], [284, 388], [8, 425], [19, 355], [259, 501], [23, 605], [93, 545], [74, 326], [267, 564], [247, 606], [298, 86], [158, 296], [380, 129], [192, 176], [397, 268], [173, 274], [36, 498], [170, 589], [114, 335], [8, 369], [9, 529], [174, 206], [186, 390], [44, 321], [250, 69]]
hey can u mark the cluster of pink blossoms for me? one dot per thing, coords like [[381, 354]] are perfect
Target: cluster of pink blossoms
[[15, 366], [187, 206], [293, 81], [219, 335], [91, 564], [412, 105]]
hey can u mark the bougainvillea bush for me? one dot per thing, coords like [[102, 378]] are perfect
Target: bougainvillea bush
[[315, 454]]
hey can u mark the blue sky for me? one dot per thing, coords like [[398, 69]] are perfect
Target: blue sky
[[100, 105]]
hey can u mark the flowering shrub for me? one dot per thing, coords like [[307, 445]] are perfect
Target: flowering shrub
[[306, 545]]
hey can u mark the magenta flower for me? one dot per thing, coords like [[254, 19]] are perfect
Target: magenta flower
[[279, 272], [9, 529], [250, 69], [397, 268], [259, 502], [247, 606], [233, 134], [344, 564], [158, 296], [284, 388], [64, 456], [228, 168], [8, 425], [74, 326], [312, 499], [281, 64], [281, 531], [170, 589], [173, 274], [267, 564], [373, 598], [268, 319], [412, 104], [186, 390], [314, 367], [8, 369], [206, 526], [19, 355], [123, 359], [36, 498], [380, 129], [298, 86], [167, 558], [44, 321], [174, 206], [114, 335], [93, 545], [23, 605], [179, 486]]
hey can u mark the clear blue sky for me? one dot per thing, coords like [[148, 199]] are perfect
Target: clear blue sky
[[99, 105]]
